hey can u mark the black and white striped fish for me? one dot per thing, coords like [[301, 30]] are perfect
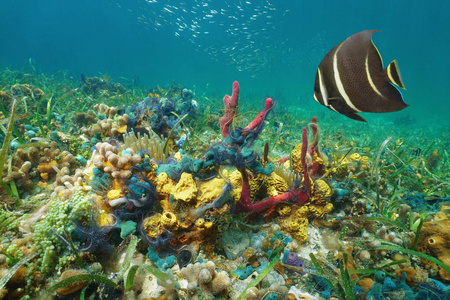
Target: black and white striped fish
[[351, 79]]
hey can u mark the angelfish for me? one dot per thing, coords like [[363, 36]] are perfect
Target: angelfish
[[351, 79]]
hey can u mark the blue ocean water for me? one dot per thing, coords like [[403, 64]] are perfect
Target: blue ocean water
[[272, 48]]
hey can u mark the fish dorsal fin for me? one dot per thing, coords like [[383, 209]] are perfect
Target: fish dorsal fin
[[393, 73]]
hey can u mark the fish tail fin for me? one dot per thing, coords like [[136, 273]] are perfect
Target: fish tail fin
[[393, 73]]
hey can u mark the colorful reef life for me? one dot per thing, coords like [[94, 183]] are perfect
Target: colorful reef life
[[154, 200], [350, 79]]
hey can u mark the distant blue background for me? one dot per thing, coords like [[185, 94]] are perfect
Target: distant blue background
[[98, 36]]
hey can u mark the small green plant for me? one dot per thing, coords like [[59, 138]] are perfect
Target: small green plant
[[14, 129], [99, 278], [4, 280], [11, 190], [83, 277], [254, 282], [395, 247], [340, 281]]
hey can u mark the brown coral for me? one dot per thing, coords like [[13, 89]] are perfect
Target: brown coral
[[204, 276]]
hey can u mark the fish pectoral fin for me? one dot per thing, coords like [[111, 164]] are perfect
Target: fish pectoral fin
[[393, 74], [334, 99]]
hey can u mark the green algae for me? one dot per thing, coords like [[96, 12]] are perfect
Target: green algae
[[59, 218]]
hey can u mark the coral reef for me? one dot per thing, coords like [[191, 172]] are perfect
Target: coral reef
[[169, 197]]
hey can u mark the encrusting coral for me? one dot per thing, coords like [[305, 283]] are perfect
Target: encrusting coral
[[205, 277], [46, 163], [108, 159]]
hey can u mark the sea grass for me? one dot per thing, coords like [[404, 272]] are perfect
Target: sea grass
[[6, 142], [379, 219], [13, 129], [4, 280], [83, 277], [260, 277], [129, 255], [400, 249], [375, 171]]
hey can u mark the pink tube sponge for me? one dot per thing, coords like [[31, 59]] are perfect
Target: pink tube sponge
[[231, 106]]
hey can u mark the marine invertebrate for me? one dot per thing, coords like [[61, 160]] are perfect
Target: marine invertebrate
[[205, 277], [157, 113], [210, 189], [137, 197], [297, 222], [139, 191], [107, 158], [216, 203], [101, 183], [390, 237], [184, 258], [435, 238], [93, 236], [161, 241], [105, 110], [42, 161], [85, 119], [100, 87], [163, 263], [267, 186], [231, 107], [26, 90], [288, 175], [186, 188], [149, 143], [316, 159], [186, 103], [297, 194]]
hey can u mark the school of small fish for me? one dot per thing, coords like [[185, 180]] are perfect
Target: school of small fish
[[241, 33]]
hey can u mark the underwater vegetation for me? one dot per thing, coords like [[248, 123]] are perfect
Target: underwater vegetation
[[171, 197]]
